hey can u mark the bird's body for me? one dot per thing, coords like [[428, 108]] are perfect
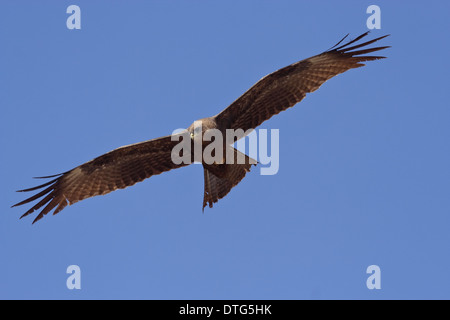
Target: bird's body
[[130, 164]]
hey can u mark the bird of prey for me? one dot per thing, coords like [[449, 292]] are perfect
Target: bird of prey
[[130, 164]]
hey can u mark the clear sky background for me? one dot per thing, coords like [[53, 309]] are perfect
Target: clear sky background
[[364, 174]]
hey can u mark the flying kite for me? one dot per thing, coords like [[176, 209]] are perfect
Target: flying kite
[[127, 165]]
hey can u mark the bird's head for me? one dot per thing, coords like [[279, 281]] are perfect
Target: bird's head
[[196, 129], [199, 127]]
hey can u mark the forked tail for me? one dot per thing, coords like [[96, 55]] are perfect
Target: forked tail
[[221, 178]]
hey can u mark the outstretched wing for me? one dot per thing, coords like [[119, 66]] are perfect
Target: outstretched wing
[[286, 87], [118, 169]]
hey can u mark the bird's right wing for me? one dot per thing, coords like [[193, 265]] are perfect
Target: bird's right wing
[[118, 169]]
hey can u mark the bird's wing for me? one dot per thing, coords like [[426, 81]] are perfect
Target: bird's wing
[[284, 88], [118, 169]]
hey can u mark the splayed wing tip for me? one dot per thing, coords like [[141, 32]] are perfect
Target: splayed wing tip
[[346, 48], [52, 176], [340, 41]]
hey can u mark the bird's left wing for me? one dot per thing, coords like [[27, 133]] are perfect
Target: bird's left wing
[[118, 169], [284, 88]]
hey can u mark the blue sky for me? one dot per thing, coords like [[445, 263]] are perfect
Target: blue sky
[[364, 174]]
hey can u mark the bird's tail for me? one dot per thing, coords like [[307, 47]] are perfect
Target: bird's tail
[[221, 178]]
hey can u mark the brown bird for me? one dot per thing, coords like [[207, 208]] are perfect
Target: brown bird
[[130, 164]]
